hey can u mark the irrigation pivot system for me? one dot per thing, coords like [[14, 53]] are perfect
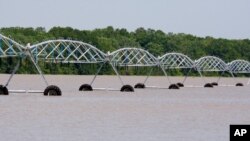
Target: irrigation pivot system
[[124, 57], [239, 66], [69, 51], [212, 64], [10, 48], [176, 61], [131, 57], [77, 52]]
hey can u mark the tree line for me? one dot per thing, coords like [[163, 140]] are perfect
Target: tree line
[[109, 39]]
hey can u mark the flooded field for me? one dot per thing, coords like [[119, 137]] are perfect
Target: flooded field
[[188, 114]]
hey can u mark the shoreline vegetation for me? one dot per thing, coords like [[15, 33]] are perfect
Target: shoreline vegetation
[[109, 39]]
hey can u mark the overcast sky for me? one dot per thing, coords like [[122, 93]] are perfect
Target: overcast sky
[[217, 18]]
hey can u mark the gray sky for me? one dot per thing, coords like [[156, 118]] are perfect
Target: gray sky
[[217, 18]]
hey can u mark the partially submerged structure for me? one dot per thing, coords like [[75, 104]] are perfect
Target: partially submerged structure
[[77, 52], [239, 67], [176, 61], [129, 57], [69, 51], [12, 49], [9, 48], [211, 64]]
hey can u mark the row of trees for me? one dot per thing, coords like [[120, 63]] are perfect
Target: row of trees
[[109, 39]]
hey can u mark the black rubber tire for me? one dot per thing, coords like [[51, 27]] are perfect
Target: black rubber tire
[[52, 90], [239, 85], [139, 86], [127, 88], [208, 85], [214, 83], [174, 86], [3, 90], [85, 87], [180, 84]]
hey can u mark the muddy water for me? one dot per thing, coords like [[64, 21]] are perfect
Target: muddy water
[[188, 114]]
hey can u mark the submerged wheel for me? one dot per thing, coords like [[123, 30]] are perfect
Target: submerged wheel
[[139, 86], [214, 83], [52, 90], [208, 85], [127, 88], [239, 85], [3, 90], [173, 86], [85, 87], [180, 84]]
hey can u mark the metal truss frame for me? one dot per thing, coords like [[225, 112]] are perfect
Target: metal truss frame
[[10, 48], [69, 51], [132, 57], [177, 61], [212, 64], [239, 66]]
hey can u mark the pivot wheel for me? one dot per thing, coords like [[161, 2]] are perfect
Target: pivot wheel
[[180, 84], [85, 87], [139, 86], [214, 83], [208, 85], [239, 85], [173, 86], [52, 90], [3, 90], [127, 88]]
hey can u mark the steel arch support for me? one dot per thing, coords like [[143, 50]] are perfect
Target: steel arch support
[[13, 72], [98, 71], [176, 61], [132, 57], [117, 74], [67, 51], [239, 66], [37, 67], [212, 64]]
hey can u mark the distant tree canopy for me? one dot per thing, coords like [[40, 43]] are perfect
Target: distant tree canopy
[[109, 39]]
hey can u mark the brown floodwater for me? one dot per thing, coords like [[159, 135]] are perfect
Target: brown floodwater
[[192, 113]]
